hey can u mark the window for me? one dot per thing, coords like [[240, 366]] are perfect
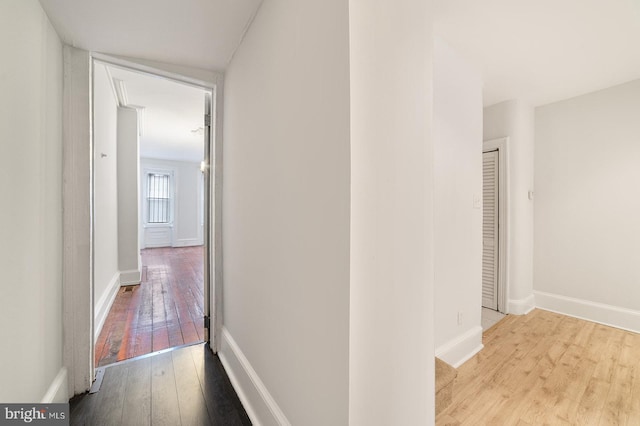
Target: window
[[158, 197]]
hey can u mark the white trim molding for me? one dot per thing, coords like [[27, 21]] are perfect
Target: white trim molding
[[77, 209], [188, 242], [58, 391], [256, 399], [521, 306], [78, 303], [103, 305], [614, 316], [459, 350], [132, 277]]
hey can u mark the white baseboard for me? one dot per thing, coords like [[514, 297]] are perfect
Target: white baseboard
[[521, 306], [58, 390], [161, 244], [102, 306], [188, 242], [256, 399], [459, 350], [613, 316], [131, 277]]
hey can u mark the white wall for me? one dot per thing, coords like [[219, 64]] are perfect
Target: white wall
[[587, 210], [391, 352], [515, 120], [286, 213], [457, 159], [187, 224], [128, 196], [31, 186], [105, 195], [391, 368]]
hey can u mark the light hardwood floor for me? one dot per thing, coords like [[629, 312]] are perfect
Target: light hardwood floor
[[548, 369]]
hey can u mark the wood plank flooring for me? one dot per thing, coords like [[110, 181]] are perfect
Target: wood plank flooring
[[185, 386], [548, 369], [165, 310]]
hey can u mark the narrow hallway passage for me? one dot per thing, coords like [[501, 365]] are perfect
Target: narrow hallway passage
[[186, 386], [165, 310]]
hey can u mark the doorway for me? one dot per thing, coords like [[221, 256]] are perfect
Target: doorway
[[151, 155], [490, 220], [494, 230]]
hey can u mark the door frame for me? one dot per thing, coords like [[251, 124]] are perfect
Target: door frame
[[78, 263], [491, 163], [502, 146]]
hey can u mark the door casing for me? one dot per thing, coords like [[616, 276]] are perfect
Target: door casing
[[502, 146], [490, 158], [78, 204]]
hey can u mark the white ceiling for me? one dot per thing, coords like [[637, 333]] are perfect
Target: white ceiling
[[172, 111], [544, 50], [196, 33], [541, 51]]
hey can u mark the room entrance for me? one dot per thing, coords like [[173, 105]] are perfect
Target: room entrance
[[490, 220], [151, 213], [494, 231]]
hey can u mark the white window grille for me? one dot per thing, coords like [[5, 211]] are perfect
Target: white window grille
[[158, 198]]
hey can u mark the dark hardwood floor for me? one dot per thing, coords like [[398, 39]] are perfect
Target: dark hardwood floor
[[165, 310], [185, 386]]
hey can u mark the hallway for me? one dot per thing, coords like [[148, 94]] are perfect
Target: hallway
[[186, 386], [165, 310]]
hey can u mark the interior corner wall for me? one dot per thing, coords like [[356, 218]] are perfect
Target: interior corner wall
[[31, 364], [286, 214], [587, 210], [515, 119], [457, 157], [391, 368], [105, 194], [128, 164]]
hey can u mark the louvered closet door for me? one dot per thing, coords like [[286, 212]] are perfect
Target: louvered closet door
[[490, 230]]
